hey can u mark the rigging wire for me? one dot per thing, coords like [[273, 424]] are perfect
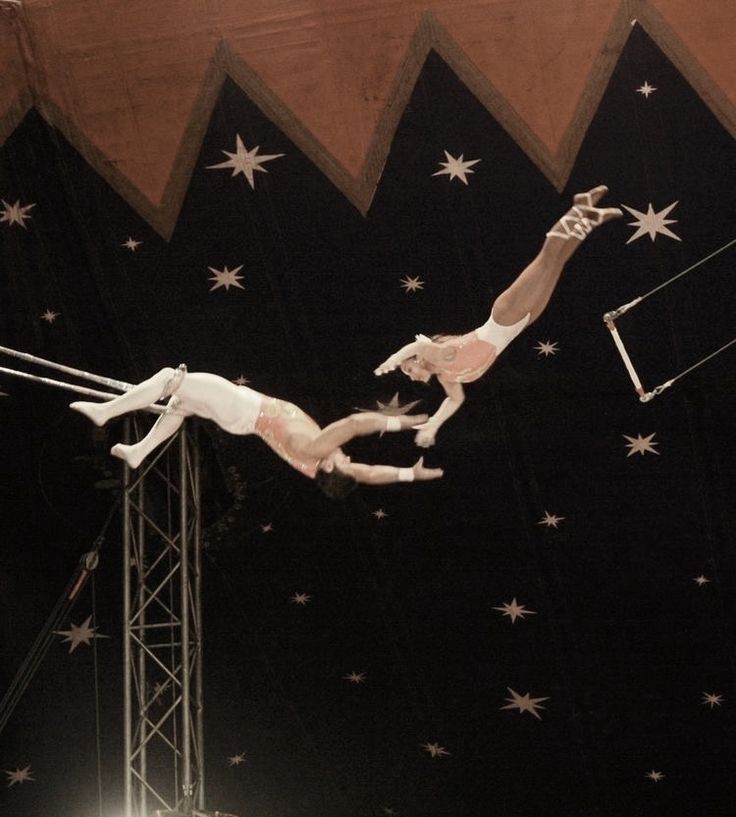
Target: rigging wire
[[64, 605]]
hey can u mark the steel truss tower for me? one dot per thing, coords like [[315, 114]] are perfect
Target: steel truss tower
[[164, 750]]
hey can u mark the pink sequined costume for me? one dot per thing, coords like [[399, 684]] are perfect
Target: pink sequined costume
[[471, 355]]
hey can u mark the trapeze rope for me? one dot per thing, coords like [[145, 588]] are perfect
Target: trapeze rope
[[610, 318]]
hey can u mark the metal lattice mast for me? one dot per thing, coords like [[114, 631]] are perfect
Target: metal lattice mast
[[162, 614]]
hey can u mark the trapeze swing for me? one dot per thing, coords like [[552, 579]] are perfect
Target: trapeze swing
[[611, 317]]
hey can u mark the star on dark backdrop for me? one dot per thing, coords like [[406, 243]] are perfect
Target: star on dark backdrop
[[82, 634], [525, 703], [15, 214], [245, 161], [456, 167], [645, 89], [19, 776], [651, 223]]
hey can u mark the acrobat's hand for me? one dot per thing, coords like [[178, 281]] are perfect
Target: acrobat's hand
[[422, 473], [426, 433], [388, 365]]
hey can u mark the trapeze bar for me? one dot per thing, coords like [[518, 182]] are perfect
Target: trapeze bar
[[626, 359]]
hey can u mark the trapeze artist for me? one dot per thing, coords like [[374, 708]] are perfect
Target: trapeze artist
[[289, 431], [458, 359]]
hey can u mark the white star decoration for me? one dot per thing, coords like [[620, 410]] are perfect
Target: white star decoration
[[701, 580], [226, 278], [15, 213], [514, 610], [131, 244], [547, 348], [411, 284], [158, 690], [655, 776], [19, 776], [712, 699], [456, 168], [80, 635], [524, 703], [379, 513], [245, 161], [236, 760], [550, 520], [355, 677], [393, 408], [300, 598], [267, 527], [646, 89], [50, 316], [641, 445], [241, 380], [435, 750], [651, 223]]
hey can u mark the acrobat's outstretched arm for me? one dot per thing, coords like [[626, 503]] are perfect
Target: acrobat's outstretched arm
[[387, 474], [423, 347], [427, 431], [357, 425]]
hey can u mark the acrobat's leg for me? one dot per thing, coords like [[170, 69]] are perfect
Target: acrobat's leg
[[140, 396], [164, 427], [531, 291]]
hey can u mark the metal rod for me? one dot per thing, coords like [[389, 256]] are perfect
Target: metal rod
[[120, 385], [142, 674], [198, 688], [186, 737], [60, 384], [127, 680]]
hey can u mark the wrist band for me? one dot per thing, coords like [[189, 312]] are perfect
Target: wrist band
[[406, 475], [393, 424]]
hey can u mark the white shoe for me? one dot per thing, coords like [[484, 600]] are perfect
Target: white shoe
[[584, 216], [127, 453], [92, 411]]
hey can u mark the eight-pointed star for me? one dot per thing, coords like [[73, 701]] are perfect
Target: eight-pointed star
[[651, 223], [641, 445], [456, 168], [245, 161], [82, 634], [524, 703], [226, 278]]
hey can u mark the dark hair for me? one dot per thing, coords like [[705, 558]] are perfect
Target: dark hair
[[335, 484]]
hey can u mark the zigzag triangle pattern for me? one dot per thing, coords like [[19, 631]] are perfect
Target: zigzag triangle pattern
[[154, 179]]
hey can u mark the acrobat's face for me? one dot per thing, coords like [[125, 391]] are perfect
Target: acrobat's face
[[415, 370], [337, 459]]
